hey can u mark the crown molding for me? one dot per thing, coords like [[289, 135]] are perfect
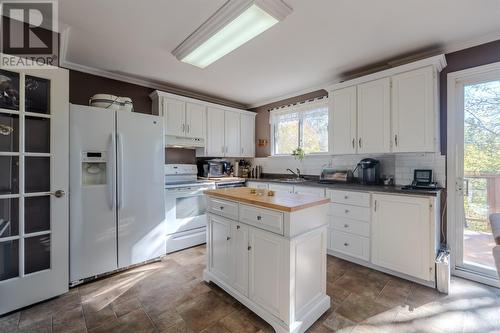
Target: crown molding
[[134, 80]]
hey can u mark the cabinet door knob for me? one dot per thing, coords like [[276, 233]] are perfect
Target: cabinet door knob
[[346, 225], [249, 247], [347, 211], [221, 207], [346, 197], [237, 227], [259, 218], [346, 244], [228, 238]]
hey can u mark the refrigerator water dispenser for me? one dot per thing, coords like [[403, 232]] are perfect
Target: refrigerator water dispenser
[[94, 166]]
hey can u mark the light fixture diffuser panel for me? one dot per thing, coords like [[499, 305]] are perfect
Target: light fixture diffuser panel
[[230, 27], [249, 24]]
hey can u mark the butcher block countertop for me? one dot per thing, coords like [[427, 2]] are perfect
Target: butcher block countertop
[[286, 202]]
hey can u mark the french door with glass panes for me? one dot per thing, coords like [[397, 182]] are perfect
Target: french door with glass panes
[[33, 185]]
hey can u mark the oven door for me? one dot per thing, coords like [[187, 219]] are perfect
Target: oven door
[[185, 208]]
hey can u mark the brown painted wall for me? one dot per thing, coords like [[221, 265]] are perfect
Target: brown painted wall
[[472, 57], [180, 156], [82, 86], [262, 128]]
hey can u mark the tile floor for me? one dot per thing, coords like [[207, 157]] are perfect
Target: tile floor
[[170, 296]]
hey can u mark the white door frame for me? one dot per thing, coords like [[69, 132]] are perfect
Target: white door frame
[[454, 180], [27, 289]]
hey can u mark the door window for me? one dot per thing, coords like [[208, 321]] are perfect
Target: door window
[[25, 160]]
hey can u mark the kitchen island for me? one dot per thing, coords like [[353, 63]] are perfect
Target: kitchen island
[[269, 252]]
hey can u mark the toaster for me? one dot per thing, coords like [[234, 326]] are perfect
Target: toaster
[[330, 175]]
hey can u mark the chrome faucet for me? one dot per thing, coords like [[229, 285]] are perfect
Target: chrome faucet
[[296, 174]]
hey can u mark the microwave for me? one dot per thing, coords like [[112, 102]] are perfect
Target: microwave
[[214, 168]]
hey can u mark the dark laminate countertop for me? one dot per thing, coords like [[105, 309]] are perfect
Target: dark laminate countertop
[[352, 187]]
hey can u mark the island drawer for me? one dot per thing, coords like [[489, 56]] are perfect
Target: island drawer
[[222, 207], [350, 226], [262, 218], [349, 198], [350, 212], [352, 245]]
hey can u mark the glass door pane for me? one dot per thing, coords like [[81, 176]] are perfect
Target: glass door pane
[[25, 164], [481, 189]]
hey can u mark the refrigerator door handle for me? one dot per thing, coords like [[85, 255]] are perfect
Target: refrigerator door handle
[[119, 144], [110, 171]]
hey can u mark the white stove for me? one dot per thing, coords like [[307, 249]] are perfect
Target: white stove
[[185, 206]]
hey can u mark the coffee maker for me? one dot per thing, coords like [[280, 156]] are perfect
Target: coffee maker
[[369, 171]]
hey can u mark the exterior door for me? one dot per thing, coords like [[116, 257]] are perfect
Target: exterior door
[[473, 169], [215, 132], [34, 149], [232, 133], [413, 115], [174, 117], [195, 120], [343, 115], [374, 116]]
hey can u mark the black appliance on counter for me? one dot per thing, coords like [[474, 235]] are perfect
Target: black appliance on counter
[[369, 171], [213, 168]]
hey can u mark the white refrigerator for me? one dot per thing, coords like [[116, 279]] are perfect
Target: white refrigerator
[[117, 209]]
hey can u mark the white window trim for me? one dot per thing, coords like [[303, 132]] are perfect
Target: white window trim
[[317, 103]]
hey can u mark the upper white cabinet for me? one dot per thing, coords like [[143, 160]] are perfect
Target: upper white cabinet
[[403, 230], [343, 129], [414, 111], [174, 116], [396, 110], [374, 112], [195, 120], [247, 135], [183, 119], [222, 131], [215, 145], [232, 133]]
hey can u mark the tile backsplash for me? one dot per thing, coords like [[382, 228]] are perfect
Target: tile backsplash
[[400, 166]]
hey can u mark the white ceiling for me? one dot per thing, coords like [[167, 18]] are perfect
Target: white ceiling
[[315, 44]]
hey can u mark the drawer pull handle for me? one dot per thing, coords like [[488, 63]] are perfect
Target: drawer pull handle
[[221, 207], [347, 211], [237, 227], [346, 244], [346, 225], [249, 247], [228, 238], [259, 218]]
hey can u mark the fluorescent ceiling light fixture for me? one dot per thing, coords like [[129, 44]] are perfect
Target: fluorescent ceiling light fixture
[[231, 26]]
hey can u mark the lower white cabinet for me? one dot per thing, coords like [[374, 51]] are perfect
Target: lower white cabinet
[[403, 235], [266, 274], [239, 247], [277, 272], [221, 254], [318, 191]]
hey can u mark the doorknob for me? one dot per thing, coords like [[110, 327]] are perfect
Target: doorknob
[[58, 193]]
